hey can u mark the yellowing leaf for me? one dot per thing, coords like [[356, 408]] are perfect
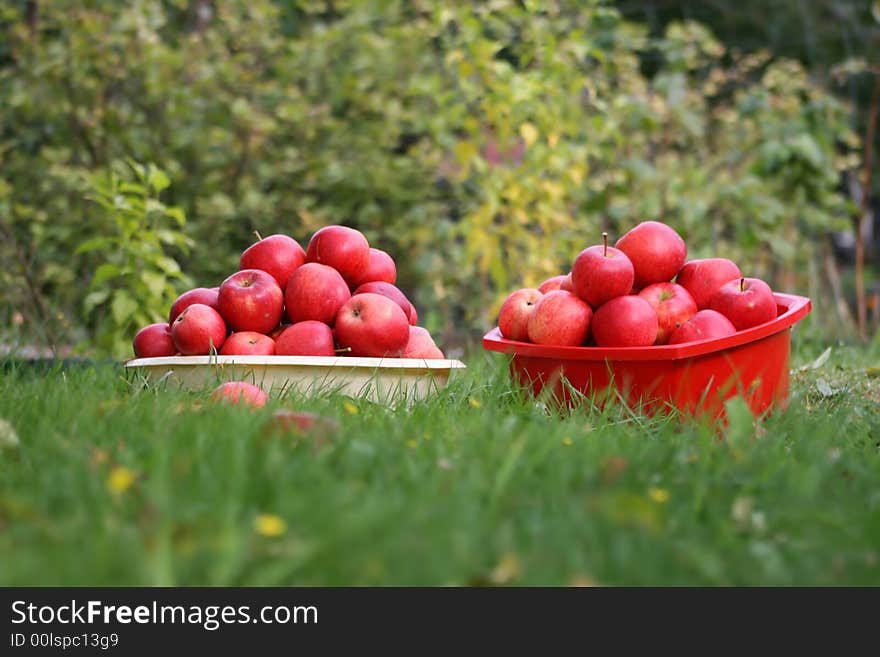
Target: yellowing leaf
[[8, 436], [508, 568], [659, 495], [465, 151], [529, 133]]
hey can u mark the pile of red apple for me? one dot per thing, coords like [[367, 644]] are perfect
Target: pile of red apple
[[337, 297], [623, 296]]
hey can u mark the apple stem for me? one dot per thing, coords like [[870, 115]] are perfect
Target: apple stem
[[344, 349], [259, 237], [605, 242], [742, 285]]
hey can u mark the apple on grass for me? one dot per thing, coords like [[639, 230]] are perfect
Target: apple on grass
[[240, 392], [704, 325], [513, 318], [306, 338], [421, 345], [315, 292], [656, 251], [210, 296], [250, 300], [704, 277], [601, 273], [560, 318], [286, 422], [627, 321], [343, 248], [673, 304], [198, 330], [248, 343], [372, 325], [380, 267], [277, 255], [154, 341], [746, 302]]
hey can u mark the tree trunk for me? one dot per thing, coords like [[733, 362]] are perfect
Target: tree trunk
[[864, 208]]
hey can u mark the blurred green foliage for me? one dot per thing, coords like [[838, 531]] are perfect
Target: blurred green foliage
[[481, 144], [134, 282]]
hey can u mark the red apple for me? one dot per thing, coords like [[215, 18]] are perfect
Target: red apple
[[627, 321], [705, 325], [307, 338], [235, 392], [601, 273], [381, 267], [206, 295], [277, 255], [343, 248], [567, 285], [198, 330], [421, 345], [250, 300], [390, 291], [704, 277], [657, 252], [372, 325], [551, 284], [560, 318], [248, 343], [746, 302], [315, 292], [154, 341], [284, 421], [513, 318], [673, 304]]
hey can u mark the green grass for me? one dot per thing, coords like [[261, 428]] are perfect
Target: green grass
[[480, 486]]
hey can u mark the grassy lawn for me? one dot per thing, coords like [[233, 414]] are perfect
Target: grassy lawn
[[116, 485]]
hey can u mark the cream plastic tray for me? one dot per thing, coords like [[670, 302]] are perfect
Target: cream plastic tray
[[377, 379]]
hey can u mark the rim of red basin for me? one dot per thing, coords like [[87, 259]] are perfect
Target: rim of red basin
[[791, 309]]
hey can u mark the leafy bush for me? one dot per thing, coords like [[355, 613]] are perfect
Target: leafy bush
[[134, 281], [483, 144]]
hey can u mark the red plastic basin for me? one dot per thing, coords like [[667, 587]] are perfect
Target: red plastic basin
[[693, 377]]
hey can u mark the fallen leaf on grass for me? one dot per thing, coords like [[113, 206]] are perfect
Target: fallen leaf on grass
[[194, 405], [613, 468], [508, 568], [108, 405], [8, 436], [583, 581], [659, 495], [820, 361]]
